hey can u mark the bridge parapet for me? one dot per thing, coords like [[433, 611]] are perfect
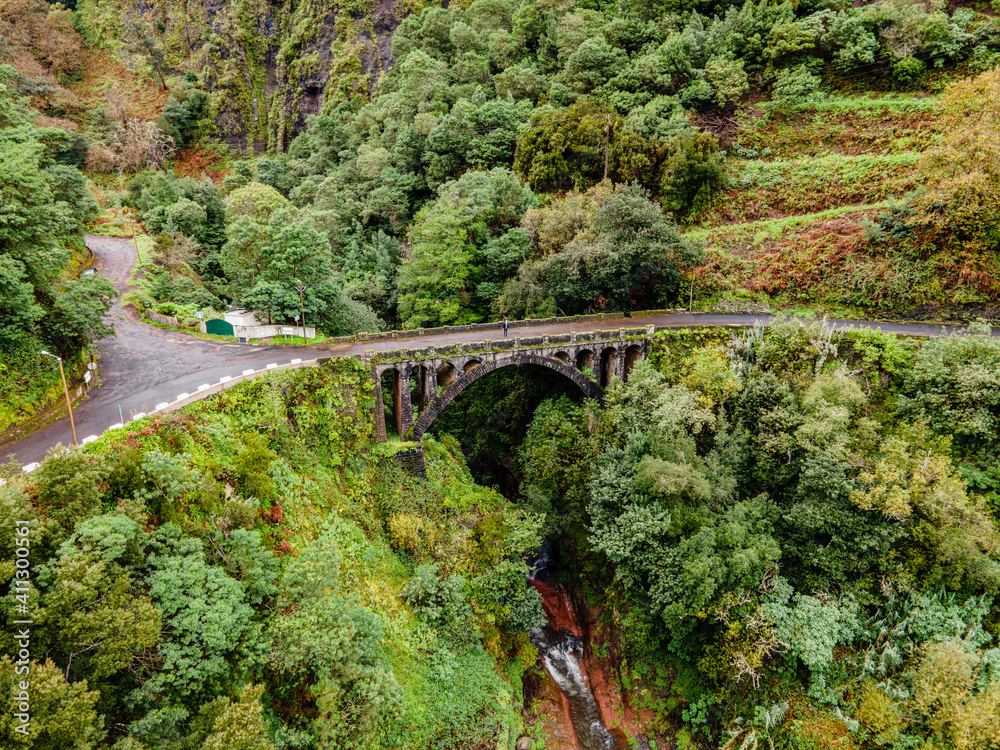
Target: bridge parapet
[[397, 356], [425, 380]]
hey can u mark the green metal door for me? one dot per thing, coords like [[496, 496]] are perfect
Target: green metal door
[[219, 327]]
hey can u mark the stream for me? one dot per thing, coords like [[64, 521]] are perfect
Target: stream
[[561, 644]]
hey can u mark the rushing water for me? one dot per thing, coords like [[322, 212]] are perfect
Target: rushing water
[[560, 644]]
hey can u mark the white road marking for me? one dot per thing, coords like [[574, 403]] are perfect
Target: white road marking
[[204, 387], [296, 361], [225, 379], [272, 365], [161, 407], [183, 396], [140, 415], [249, 372], [89, 439]]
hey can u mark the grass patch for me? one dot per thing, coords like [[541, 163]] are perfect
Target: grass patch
[[758, 232], [809, 185], [884, 102], [844, 125]]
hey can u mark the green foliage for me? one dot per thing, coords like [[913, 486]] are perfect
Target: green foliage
[[626, 256], [454, 241], [207, 630], [66, 490], [334, 649], [811, 627], [241, 725], [183, 112], [44, 211], [92, 612], [438, 601], [63, 714]]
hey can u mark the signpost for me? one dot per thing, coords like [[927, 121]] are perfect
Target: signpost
[[69, 404], [302, 305]]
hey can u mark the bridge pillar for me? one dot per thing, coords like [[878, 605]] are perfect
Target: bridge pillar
[[412, 461], [380, 431], [401, 403], [428, 384]]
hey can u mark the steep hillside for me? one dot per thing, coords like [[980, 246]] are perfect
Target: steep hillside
[[460, 160], [270, 65], [830, 205]]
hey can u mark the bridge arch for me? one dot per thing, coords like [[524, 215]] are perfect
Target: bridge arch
[[438, 405]]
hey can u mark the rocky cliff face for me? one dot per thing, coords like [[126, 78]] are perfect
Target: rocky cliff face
[[269, 64]]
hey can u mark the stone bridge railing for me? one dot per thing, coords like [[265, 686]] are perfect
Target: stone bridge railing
[[424, 381]]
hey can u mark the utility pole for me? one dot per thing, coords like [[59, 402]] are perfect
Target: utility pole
[[302, 307], [607, 142], [69, 405]]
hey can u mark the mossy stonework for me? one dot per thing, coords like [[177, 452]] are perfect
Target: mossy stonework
[[425, 381]]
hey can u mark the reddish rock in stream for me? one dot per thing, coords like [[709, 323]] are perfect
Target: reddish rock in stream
[[559, 610], [551, 708]]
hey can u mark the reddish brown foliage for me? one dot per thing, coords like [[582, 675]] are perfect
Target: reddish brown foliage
[[196, 161], [274, 515]]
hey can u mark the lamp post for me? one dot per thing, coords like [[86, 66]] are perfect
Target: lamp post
[[302, 307], [69, 405]]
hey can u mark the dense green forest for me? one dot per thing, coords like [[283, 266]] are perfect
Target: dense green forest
[[422, 165], [45, 208], [782, 538]]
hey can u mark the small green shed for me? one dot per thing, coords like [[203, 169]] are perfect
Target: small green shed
[[219, 327]]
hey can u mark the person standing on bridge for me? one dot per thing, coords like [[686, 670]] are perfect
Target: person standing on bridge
[[506, 325]]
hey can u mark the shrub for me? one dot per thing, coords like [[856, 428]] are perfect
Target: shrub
[[793, 85], [879, 715], [692, 174]]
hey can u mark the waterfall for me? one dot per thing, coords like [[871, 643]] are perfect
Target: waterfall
[[560, 644]]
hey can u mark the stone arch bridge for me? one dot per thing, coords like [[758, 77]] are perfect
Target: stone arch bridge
[[424, 381]]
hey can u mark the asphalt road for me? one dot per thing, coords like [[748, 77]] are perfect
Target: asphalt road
[[142, 366]]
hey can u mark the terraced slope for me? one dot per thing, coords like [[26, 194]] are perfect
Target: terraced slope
[[796, 226]]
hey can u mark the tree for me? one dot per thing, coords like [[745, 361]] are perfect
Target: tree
[[333, 649], [135, 144], [63, 714], [439, 283], [242, 256], [692, 174], [143, 42], [255, 201], [241, 725], [77, 317], [66, 489], [963, 170], [951, 537], [94, 616], [19, 311], [630, 258], [207, 629]]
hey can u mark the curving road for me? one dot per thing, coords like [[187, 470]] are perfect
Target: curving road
[[142, 366]]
